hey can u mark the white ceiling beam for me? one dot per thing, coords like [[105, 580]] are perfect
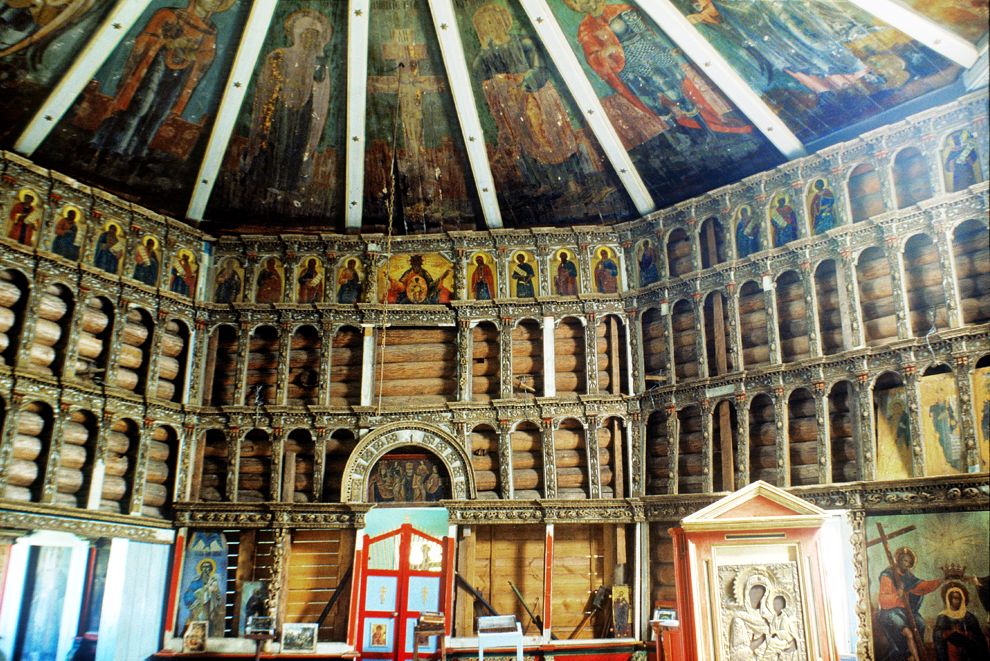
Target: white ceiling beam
[[357, 94], [567, 65], [252, 40], [978, 75], [725, 78], [921, 28], [110, 33], [454, 61]]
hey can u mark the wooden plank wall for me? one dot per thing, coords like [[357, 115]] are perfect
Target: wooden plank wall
[[317, 561], [508, 553]]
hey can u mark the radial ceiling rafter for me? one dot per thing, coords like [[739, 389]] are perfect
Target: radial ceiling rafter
[[556, 45], [110, 33], [252, 39], [923, 29], [357, 95], [455, 63], [720, 72]]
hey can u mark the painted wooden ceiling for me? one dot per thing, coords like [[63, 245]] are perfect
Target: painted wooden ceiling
[[326, 115]]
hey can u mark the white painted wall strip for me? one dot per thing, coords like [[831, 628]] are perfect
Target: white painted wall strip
[[449, 36], [724, 77], [252, 39], [923, 29], [108, 35], [555, 43], [357, 94]]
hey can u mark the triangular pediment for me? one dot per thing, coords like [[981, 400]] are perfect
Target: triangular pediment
[[759, 502]]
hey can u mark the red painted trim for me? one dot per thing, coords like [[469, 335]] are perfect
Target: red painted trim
[[548, 581], [178, 556], [87, 599], [447, 581], [685, 645]]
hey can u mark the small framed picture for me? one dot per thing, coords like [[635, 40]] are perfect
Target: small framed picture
[[194, 639], [299, 637], [259, 624]]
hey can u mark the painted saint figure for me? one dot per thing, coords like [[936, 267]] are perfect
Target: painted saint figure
[[269, 283], [184, 271], [482, 280], [957, 634], [900, 597], [228, 284], [168, 60], [109, 249], [822, 208], [784, 221], [648, 260], [648, 71], [962, 162], [606, 274], [310, 283], [203, 597], [747, 233], [147, 262], [532, 121], [349, 283], [947, 428], [523, 274], [566, 279], [24, 218], [67, 235], [291, 103], [417, 285]]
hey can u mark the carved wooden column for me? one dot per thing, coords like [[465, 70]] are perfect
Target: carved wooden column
[[199, 346], [460, 275], [278, 459], [882, 165], [732, 313], [862, 607], [634, 330], [668, 338], [141, 466], [707, 478], [867, 441], [279, 576], [742, 445], [503, 273], [154, 356], [95, 495], [50, 478], [319, 461], [800, 207], [591, 354], [699, 337], [549, 459], [964, 386], [895, 262], [505, 358], [188, 450], [637, 451], [291, 265], [284, 360], [629, 262], [912, 391], [824, 433], [837, 173], [75, 327], [464, 362], [811, 308], [505, 459], [780, 415], [849, 303], [773, 331], [584, 268], [116, 339], [543, 261], [673, 447], [329, 281], [326, 361], [233, 434], [942, 235], [594, 459], [250, 277], [35, 292], [243, 351]]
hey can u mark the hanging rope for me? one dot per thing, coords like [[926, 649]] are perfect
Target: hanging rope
[[390, 213]]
